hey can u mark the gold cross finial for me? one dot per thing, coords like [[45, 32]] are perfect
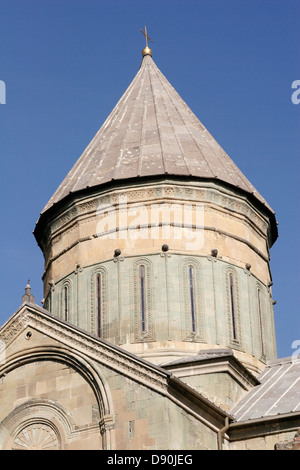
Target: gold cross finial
[[146, 36], [147, 50]]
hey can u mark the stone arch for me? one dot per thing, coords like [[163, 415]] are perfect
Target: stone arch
[[36, 425], [85, 368]]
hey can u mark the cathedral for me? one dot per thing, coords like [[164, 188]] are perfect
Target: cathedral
[[156, 331]]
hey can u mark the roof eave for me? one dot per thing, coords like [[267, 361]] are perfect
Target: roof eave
[[266, 425]]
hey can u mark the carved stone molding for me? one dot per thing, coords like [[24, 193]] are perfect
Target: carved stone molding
[[36, 425], [106, 423], [37, 436], [214, 197], [78, 341], [41, 424], [13, 328]]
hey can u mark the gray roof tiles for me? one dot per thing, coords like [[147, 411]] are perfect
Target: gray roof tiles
[[278, 392], [150, 132]]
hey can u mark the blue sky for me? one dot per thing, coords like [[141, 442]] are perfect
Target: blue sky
[[66, 63]]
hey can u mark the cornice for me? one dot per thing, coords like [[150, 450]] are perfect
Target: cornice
[[216, 363]]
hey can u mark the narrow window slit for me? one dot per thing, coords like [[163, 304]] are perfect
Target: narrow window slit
[[143, 300], [260, 322], [66, 303], [99, 310], [192, 297], [232, 306]]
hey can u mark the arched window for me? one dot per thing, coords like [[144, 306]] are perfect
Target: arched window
[[192, 327], [142, 272], [66, 303], [142, 319], [232, 306], [233, 311], [260, 319], [192, 296], [98, 305]]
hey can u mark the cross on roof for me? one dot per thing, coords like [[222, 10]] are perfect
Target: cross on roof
[[146, 36]]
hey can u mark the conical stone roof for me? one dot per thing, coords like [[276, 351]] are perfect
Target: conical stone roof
[[151, 132]]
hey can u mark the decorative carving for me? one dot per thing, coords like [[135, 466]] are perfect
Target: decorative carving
[[13, 329], [216, 199], [64, 218], [91, 347], [36, 437], [86, 206], [168, 191]]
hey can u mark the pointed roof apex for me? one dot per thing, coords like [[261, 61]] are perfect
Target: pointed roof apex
[[152, 132]]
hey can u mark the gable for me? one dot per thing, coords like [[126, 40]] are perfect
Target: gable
[[77, 384]]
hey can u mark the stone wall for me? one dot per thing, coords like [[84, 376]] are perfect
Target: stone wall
[[62, 388], [48, 405], [166, 227], [168, 332]]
